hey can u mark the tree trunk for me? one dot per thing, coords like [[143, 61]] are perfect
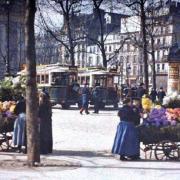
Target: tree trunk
[[153, 63], [33, 154], [143, 29], [71, 43], [103, 52]]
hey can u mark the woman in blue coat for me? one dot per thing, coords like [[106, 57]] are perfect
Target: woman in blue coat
[[126, 142]]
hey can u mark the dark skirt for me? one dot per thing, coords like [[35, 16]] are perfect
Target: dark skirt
[[126, 141]]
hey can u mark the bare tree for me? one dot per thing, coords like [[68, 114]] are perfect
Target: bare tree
[[103, 34], [31, 88], [138, 7], [66, 35]]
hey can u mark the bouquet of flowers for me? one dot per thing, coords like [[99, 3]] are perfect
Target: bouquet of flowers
[[173, 114], [172, 100], [146, 103], [157, 117]]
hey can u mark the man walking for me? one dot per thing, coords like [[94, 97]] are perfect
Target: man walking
[[85, 99], [96, 98]]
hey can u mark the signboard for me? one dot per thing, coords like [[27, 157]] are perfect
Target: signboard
[[73, 68], [113, 70], [173, 72]]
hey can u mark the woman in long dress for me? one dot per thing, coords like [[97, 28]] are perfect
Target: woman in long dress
[[45, 114], [126, 142], [19, 125]]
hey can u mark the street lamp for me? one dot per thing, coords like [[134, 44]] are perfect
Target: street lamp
[[8, 45]]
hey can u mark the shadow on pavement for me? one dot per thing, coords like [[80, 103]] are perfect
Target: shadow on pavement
[[81, 153]]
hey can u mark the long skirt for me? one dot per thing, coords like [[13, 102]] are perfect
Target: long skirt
[[19, 130], [85, 101], [126, 141]]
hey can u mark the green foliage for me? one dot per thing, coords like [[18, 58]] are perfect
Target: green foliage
[[11, 91]]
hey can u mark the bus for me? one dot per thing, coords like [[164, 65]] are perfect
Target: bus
[[60, 82], [108, 81]]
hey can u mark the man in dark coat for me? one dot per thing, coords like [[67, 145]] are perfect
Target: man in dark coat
[[141, 91], [96, 97], [153, 95], [45, 117], [161, 94]]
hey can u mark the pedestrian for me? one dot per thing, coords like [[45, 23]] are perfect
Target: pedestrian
[[19, 125], [126, 142], [96, 97], [153, 95], [138, 111], [45, 119], [85, 99], [161, 94], [140, 91]]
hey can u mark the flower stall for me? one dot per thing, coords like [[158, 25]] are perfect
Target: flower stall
[[10, 90], [160, 130]]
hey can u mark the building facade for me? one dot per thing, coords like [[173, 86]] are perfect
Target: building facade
[[12, 51]]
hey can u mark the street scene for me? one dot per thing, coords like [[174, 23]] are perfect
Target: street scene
[[82, 150], [90, 89]]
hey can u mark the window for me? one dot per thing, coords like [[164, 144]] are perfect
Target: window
[[134, 70], [105, 48], [38, 78], [46, 78], [135, 59], [158, 55], [127, 59], [109, 48], [42, 78], [158, 67], [164, 40], [90, 61], [163, 66], [94, 49], [158, 41], [98, 61]]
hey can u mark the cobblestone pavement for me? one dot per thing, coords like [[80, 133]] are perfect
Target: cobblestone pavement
[[82, 145]]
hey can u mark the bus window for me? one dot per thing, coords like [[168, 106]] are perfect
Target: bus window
[[42, 79], [46, 78], [110, 82], [60, 78], [38, 79]]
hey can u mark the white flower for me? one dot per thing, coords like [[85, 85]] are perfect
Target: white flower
[[166, 100]]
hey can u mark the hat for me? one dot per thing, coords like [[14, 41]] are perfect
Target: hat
[[136, 99], [126, 101]]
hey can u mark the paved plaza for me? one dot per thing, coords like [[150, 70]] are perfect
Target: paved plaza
[[82, 145]]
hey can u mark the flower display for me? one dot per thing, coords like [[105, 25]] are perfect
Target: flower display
[[172, 100], [163, 117], [173, 114]]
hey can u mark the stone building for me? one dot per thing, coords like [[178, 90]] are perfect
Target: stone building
[[11, 36], [166, 33]]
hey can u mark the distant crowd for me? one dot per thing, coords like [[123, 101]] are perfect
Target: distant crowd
[[139, 92]]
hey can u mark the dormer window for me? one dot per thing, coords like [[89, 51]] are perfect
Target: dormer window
[[107, 18]]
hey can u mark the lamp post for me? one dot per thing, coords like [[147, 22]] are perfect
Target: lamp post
[[8, 43]]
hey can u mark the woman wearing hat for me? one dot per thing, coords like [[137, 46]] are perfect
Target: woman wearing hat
[[126, 142]]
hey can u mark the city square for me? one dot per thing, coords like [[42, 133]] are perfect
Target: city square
[[90, 89]]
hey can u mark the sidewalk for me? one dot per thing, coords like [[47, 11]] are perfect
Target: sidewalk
[[81, 165]]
